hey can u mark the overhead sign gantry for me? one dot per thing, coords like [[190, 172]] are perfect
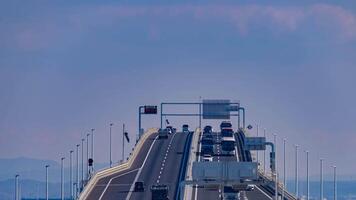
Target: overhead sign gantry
[[209, 109]]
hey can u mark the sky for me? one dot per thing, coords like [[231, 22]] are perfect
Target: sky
[[67, 67]]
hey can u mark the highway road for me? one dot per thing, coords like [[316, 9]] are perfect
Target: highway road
[[158, 161], [216, 192]]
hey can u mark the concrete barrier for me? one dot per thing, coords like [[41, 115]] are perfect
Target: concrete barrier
[[188, 190], [110, 171]]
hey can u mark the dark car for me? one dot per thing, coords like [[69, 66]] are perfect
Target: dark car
[[208, 129], [207, 150], [139, 186], [227, 132], [170, 129], [159, 192], [225, 124], [185, 128]]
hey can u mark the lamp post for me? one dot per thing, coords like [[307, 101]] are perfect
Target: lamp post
[[296, 171], [87, 160], [284, 167], [77, 173], [264, 154], [307, 152], [123, 142], [47, 182], [276, 171], [71, 174], [17, 187], [258, 163], [82, 185], [321, 180], [335, 186], [62, 179], [92, 147], [110, 155]]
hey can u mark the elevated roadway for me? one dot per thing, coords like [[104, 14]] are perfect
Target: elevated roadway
[[159, 161]]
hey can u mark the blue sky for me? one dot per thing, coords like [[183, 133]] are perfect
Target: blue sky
[[66, 67]]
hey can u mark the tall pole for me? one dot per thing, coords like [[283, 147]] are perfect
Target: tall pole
[[62, 179], [335, 186], [284, 167], [47, 182], [92, 148], [296, 171], [70, 174], [139, 121], [307, 152], [321, 180], [264, 154], [17, 187], [258, 163], [200, 113], [110, 156], [77, 173], [276, 173], [87, 160], [82, 185], [123, 142]]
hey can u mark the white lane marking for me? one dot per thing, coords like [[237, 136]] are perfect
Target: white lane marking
[[263, 192], [107, 185], [165, 157], [140, 170]]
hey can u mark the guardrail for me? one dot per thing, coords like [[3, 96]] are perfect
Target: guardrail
[[270, 183], [110, 171]]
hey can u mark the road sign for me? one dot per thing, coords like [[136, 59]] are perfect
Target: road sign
[[150, 109], [216, 109], [255, 143], [224, 171]]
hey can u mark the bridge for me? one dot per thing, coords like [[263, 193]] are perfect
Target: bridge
[[203, 163], [170, 161]]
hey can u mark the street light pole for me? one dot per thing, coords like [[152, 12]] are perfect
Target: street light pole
[[17, 187], [296, 172], [284, 167], [62, 179], [264, 154], [82, 185], [258, 163], [87, 161], [110, 157], [47, 182], [321, 180], [77, 173], [123, 142], [335, 190], [307, 152], [92, 147], [276, 171], [71, 174]]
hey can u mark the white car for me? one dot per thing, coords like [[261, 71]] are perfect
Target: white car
[[207, 158], [250, 187]]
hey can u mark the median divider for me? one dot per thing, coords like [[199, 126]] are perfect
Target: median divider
[[121, 167], [188, 190]]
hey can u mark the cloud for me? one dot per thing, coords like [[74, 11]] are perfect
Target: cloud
[[44, 31]]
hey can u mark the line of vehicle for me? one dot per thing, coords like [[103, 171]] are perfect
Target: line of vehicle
[[140, 170]]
